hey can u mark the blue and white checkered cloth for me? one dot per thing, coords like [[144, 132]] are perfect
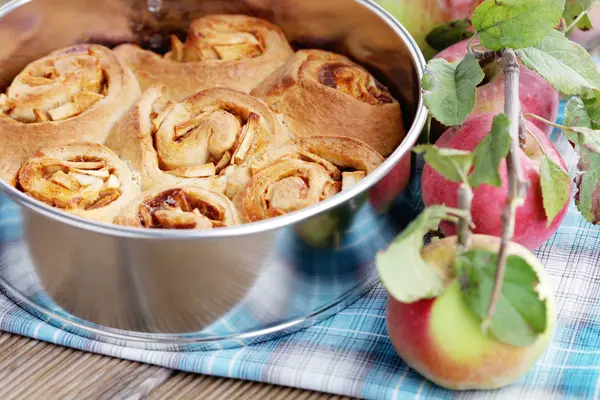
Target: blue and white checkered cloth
[[350, 353]]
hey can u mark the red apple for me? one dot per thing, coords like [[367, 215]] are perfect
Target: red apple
[[488, 202], [420, 17], [442, 339], [537, 96]]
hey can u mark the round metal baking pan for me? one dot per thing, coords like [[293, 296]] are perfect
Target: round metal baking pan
[[224, 287]]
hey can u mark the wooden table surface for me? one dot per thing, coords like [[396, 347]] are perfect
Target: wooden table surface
[[30, 369]]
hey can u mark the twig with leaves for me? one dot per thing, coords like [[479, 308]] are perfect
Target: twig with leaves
[[517, 184], [507, 34]]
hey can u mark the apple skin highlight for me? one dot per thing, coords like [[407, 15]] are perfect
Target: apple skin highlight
[[531, 228], [442, 340]]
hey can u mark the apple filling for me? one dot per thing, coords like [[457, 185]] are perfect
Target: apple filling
[[293, 185], [220, 42], [215, 140], [180, 209], [85, 183], [296, 183], [354, 81], [55, 88]]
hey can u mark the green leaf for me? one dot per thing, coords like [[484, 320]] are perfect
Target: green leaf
[[555, 187], [403, 272], [450, 90], [582, 120], [452, 164], [585, 23], [588, 183], [516, 23], [445, 35], [591, 100], [574, 10], [576, 114], [583, 112], [520, 315], [564, 64], [584, 137], [490, 152]]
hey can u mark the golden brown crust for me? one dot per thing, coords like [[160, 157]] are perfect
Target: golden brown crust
[[206, 140], [343, 152], [302, 173], [321, 93], [74, 94], [179, 207], [84, 179], [234, 51], [31, 32]]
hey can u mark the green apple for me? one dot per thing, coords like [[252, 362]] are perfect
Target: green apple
[[442, 338]]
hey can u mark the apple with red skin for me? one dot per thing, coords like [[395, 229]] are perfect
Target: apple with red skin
[[537, 96], [422, 16], [442, 339], [488, 201]]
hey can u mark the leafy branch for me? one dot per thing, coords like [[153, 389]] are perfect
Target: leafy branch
[[511, 38], [508, 35], [517, 184]]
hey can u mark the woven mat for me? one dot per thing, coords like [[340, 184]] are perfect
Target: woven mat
[[30, 369]]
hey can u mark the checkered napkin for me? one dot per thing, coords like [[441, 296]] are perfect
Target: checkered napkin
[[350, 353]]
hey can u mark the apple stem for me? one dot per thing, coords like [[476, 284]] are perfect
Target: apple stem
[[517, 184], [465, 199]]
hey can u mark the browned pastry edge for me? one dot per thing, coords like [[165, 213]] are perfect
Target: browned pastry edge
[[186, 78], [317, 104]]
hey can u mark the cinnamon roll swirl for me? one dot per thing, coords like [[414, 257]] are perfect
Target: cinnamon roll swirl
[[302, 173], [234, 51], [84, 179], [74, 94], [179, 207], [206, 140], [321, 93]]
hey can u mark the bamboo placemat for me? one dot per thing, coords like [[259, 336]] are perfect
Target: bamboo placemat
[[30, 369]]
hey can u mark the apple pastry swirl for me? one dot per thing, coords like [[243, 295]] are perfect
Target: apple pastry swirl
[[74, 94], [85, 179], [318, 92], [179, 207], [234, 51], [206, 140], [302, 173]]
